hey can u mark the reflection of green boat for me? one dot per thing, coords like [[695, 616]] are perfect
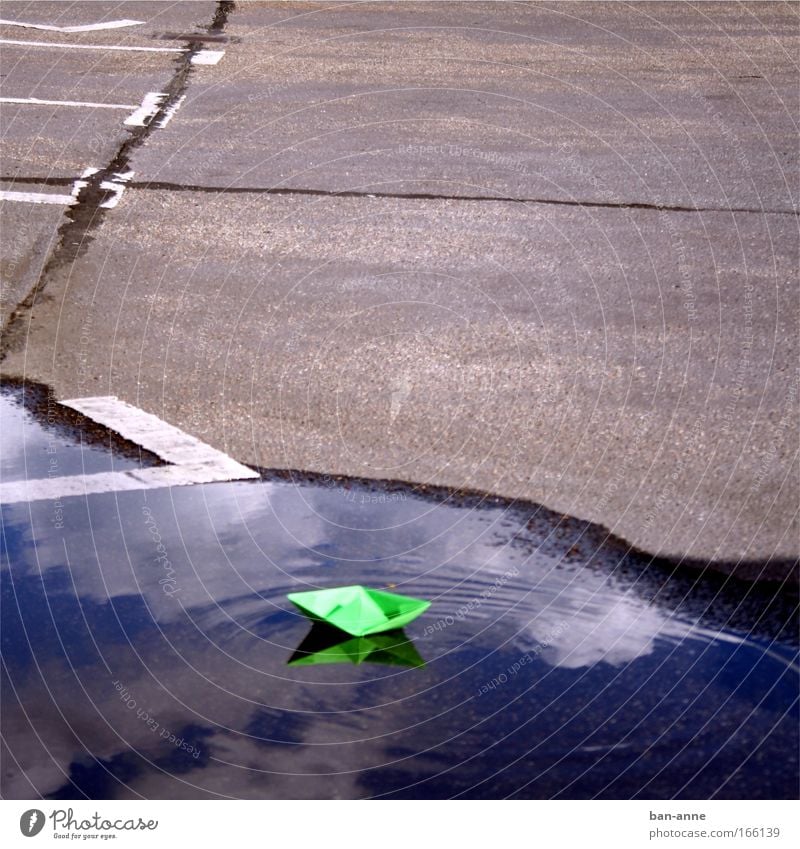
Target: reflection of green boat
[[359, 610], [324, 644]]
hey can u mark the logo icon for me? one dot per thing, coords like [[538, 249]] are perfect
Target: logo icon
[[31, 822]]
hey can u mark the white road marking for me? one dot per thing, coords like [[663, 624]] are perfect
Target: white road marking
[[192, 461], [140, 117], [170, 111], [150, 105], [68, 46], [207, 57], [116, 185], [202, 57], [37, 197], [167, 441], [154, 477], [116, 197], [81, 28], [89, 104]]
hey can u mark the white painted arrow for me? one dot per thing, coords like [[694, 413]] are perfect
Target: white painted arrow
[[191, 461]]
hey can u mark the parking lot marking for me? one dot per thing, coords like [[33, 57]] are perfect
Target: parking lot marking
[[115, 185], [68, 46], [81, 28], [170, 111], [140, 117], [37, 197], [35, 101], [191, 461], [207, 57], [167, 441], [149, 106], [154, 477], [202, 57]]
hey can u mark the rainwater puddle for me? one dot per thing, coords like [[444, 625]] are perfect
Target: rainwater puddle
[[150, 651]]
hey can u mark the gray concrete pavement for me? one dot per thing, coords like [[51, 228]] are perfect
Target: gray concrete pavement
[[596, 104], [48, 141], [632, 366], [35, 230], [46, 146]]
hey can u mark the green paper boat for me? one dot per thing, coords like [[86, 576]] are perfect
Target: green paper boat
[[324, 644], [359, 610]]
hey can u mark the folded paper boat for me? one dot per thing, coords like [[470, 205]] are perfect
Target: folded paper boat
[[359, 610]]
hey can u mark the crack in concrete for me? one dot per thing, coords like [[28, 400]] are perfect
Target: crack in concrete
[[75, 233], [163, 185], [166, 186], [40, 181], [208, 38]]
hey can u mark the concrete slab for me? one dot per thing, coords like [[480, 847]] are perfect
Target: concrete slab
[[29, 234], [59, 141], [631, 367], [45, 147], [660, 105], [46, 142], [156, 18]]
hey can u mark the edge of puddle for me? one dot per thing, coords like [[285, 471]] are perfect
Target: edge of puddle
[[780, 573], [39, 400]]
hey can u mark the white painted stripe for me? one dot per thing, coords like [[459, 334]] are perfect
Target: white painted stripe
[[81, 28], [150, 105], [207, 57], [116, 185], [36, 102], [170, 443], [192, 460], [37, 197], [116, 197], [154, 477], [68, 46], [170, 111], [81, 184]]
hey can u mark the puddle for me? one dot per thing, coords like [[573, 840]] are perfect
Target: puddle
[[150, 651], [42, 439]]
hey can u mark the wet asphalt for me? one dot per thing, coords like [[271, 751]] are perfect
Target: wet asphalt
[[544, 252]]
